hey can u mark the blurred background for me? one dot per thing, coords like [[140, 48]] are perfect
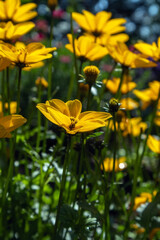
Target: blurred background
[[143, 18]]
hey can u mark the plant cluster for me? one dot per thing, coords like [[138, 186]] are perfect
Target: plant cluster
[[79, 130]]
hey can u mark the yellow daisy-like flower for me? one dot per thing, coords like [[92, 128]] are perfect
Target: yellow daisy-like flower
[[120, 164], [143, 198], [10, 123], [153, 144], [8, 31], [129, 104], [41, 81], [121, 54], [149, 50], [148, 95], [68, 116], [13, 107], [133, 126], [85, 49], [100, 24], [12, 10], [113, 85], [107, 39], [24, 56]]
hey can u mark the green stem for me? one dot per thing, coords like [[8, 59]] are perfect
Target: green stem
[[124, 71], [89, 97], [19, 88], [62, 188], [74, 51], [8, 90], [39, 119]]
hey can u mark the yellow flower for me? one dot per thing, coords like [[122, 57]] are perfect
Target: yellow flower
[[91, 74], [121, 54], [41, 81], [113, 85], [12, 10], [153, 144], [143, 198], [68, 116], [13, 107], [107, 39], [100, 24], [133, 126], [120, 164], [23, 56], [129, 104], [10, 123], [150, 50], [149, 94], [85, 49], [8, 31]]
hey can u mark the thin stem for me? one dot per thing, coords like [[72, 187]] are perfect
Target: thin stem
[[124, 71], [8, 90], [89, 97], [18, 88], [39, 119], [62, 187]]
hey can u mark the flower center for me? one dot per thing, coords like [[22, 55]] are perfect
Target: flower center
[[73, 122]]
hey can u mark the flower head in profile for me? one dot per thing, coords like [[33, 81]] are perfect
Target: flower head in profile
[[10, 123], [13, 107], [143, 198], [120, 164], [133, 126], [23, 55], [85, 49], [113, 85], [149, 50], [148, 95], [12, 10], [68, 116], [121, 54], [9, 32], [41, 81], [129, 103], [153, 144], [100, 24]]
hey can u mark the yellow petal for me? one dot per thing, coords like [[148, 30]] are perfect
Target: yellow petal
[[11, 7], [74, 107], [81, 20], [101, 19], [90, 19], [2, 11], [24, 12], [59, 105], [153, 144], [11, 122]]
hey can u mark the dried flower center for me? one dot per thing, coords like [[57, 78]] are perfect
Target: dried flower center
[[73, 122]]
